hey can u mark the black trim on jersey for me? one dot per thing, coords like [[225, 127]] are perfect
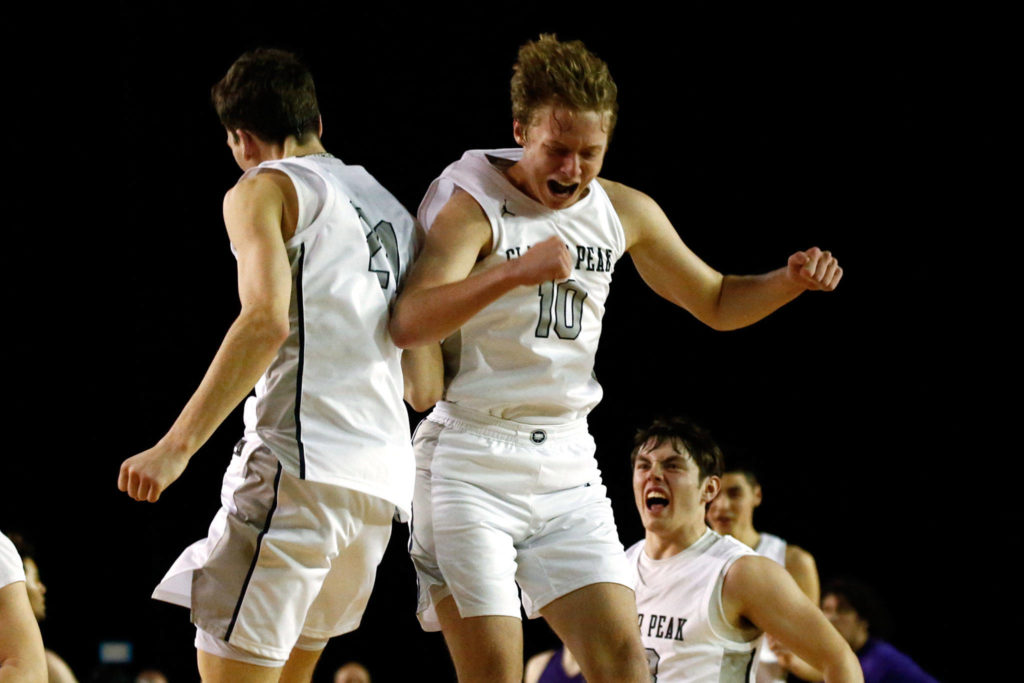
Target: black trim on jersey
[[750, 663], [302, 355], [256, 555]]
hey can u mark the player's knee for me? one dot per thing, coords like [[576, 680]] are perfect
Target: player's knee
[[619, 660]]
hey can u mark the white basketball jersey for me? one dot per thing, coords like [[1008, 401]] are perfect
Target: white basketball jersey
[[768, 669], [11, 567], [529, 356], [679, 599], [330, 404]]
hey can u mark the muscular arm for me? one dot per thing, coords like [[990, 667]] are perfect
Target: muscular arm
[[22, 657], [760, 591], [253, 214], [723, 302], [441, 295]]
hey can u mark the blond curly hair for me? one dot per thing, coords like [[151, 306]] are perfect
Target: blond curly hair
[[566, 73]]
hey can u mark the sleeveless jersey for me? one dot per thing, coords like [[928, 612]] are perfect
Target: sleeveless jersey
[[11, 567], [679, 599], [330, 404], [768, 669], [529, 356]]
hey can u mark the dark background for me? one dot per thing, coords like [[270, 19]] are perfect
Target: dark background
[[869, 130]]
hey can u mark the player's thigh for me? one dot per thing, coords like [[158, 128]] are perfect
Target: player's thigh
[[486, 648], [217, 669], [598, 623], [577, 545], [475, 533], [362, 524]]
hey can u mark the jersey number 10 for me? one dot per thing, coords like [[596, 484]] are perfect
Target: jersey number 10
[[568, 309]]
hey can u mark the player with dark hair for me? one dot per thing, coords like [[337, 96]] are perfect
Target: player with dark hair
[[309, 496], [704, 600], [517, 265]]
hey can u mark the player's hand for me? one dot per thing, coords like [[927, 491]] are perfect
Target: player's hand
[[814, 269], [146, 475], [544, 261]]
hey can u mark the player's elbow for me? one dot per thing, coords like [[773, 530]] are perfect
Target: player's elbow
[[843, 666]]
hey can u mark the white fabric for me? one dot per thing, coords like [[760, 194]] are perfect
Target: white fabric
[[500, 504], [330, 404], [12, 568], [681, 621], [316, 547], [768, 668], [529, 356]]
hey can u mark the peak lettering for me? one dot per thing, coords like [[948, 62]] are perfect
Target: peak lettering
[[597, 259], [660, 626]]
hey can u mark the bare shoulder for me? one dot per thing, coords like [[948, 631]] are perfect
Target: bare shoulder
[[267, 182], [627, 200], [797, 557], [461, 223], [640, 215], [266, 199], [751, 578], [462, 207]]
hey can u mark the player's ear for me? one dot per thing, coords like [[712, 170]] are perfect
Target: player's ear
[[248, 141], [710, 487], [757, 495], [320, 126], [519, 132]]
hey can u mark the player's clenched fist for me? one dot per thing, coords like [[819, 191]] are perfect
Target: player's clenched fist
[[146, 475], [543, 262], [815, 269]]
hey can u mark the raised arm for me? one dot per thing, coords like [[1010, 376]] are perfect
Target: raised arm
[[441, 295], [253, 214], [760, 591], [723, 302]]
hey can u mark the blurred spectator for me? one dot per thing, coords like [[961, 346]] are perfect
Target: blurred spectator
[[352, 672], [553, 666]]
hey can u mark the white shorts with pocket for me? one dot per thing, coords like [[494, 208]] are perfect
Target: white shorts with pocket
[[284, 558], [506, 513]]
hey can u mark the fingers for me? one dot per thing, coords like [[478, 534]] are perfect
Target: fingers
[[818, 269], [137, 485]]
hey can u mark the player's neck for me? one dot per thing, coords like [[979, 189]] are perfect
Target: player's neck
[[748, 536], [294, 148], [659, 546]]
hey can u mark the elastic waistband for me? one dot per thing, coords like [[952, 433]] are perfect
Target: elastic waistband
[[466, 420]]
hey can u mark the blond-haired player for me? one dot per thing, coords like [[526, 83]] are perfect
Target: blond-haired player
[[520, 250]]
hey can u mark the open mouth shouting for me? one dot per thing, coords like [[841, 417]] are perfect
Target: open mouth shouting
[[559, 190], [656, 500]]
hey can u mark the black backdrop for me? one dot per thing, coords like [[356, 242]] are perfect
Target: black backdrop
[[864, 130]]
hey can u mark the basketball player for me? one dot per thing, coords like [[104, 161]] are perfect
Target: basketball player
[[309, 496], [517, 264], [732, 513], [22, 656], [705, 599]]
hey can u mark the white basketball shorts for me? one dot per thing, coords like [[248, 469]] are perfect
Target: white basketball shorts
[[499, 504], [284, 559]]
